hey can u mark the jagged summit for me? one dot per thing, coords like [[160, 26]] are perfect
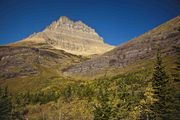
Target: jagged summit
[[64, 19], [68, 24], [71, 36]]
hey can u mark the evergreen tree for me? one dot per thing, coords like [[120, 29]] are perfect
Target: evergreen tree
[[5, 104], [163, 91]]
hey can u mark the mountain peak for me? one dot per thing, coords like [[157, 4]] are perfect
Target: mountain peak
[[71, 36], [64, 19], [65, 23]]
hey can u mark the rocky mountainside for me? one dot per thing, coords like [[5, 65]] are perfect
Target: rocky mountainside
[[143, 47], [73, 37], [21, 61]]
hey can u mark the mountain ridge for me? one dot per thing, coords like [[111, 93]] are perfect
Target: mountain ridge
[[143, 47]]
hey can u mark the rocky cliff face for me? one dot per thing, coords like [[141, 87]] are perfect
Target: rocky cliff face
[[73, 37], [143, 47]]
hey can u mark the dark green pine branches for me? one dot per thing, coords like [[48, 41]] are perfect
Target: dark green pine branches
[[163, 91]]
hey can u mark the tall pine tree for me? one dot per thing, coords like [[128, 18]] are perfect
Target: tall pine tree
[[163, 91]]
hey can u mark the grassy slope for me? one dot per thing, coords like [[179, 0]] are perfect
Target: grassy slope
[[45, 78]]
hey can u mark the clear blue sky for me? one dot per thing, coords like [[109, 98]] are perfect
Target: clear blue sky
[[117, 21]]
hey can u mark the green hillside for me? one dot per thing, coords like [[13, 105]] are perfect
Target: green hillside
[[51, 96]]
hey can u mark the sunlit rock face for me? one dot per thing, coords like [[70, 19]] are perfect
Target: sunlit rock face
[[73, 37]]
